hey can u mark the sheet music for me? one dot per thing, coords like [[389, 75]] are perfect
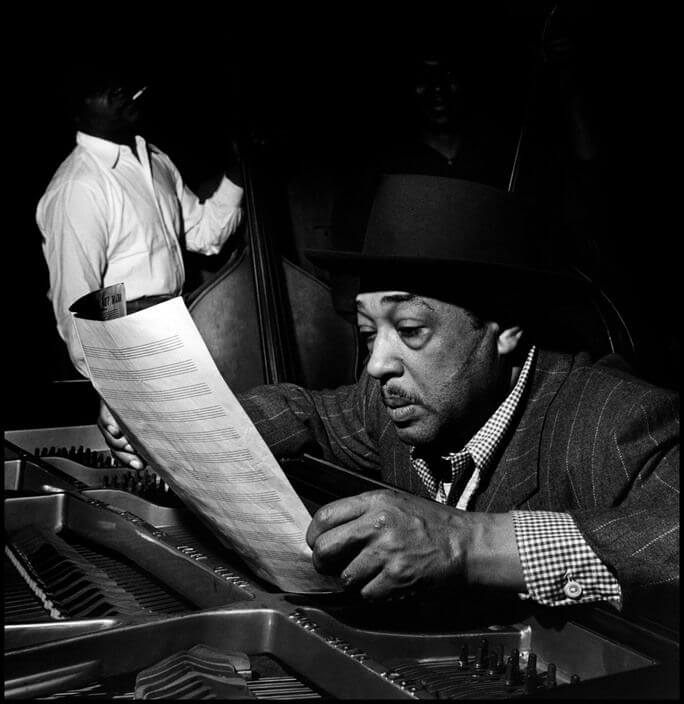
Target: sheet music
[[155, 373]]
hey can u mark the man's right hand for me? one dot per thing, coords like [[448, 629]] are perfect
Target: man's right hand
[[117, 441]]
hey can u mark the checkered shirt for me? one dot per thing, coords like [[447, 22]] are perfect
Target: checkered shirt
[[558, 565]]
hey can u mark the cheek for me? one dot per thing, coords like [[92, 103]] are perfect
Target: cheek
[[451, 386], [448, 397], [438, 383]]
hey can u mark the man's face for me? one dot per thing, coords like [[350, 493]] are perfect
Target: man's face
[[111, 109], [439, 94], [439, 369]]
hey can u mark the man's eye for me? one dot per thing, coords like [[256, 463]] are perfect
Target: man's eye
[[409, 332]]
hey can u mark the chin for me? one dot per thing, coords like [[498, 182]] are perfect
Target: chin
[[415, 434]]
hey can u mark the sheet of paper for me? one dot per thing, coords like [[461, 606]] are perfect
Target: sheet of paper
[[155, 373]]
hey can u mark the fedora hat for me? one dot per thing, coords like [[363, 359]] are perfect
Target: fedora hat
[[456, 240]]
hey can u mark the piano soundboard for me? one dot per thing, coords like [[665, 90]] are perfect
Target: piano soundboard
[[107, 575]]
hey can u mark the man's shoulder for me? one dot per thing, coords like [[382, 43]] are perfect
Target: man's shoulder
[[79, 166], [600, 377]]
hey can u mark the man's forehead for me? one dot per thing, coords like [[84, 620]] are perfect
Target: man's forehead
[[386, 299]]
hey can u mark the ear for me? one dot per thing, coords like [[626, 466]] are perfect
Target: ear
[[508, 340]]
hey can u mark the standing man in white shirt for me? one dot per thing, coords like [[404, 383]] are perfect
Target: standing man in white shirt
[[117, 210]]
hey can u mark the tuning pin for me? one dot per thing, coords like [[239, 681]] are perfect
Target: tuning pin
[[493, 666], [574, 679], [550, 676], [482, 653], [514, 662], [509, 673], [463, 657], [532, 664]]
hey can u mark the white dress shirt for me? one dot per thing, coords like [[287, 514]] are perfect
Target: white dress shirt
[[108, 217]]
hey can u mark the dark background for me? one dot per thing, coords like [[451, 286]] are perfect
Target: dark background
[[325, 94]]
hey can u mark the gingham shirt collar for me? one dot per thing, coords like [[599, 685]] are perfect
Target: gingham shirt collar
[[482, 447]]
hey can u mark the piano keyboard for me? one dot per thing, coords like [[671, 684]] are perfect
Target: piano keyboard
[[21, 603], [68, 584]]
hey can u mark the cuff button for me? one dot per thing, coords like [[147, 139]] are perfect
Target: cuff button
[[572, 589]]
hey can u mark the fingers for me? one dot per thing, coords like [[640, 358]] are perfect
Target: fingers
[[336, 547], [383, 586], [106, 421], [348, 509], [361, 570], [336, 513], [116, 440], [374, 578]]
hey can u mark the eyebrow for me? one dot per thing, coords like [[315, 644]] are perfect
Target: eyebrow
[[400, 298]]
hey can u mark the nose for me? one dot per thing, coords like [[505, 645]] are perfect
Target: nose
[[384, 361]]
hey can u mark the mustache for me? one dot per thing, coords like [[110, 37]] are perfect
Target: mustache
[[392, 393]]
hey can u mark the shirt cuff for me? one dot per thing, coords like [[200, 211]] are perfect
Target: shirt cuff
[[221, 215], [558, 565]]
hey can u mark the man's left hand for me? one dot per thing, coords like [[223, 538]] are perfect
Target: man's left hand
[[389, 544]]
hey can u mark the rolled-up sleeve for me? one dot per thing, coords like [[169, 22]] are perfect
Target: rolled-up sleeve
[[209, 224], [74, 230]]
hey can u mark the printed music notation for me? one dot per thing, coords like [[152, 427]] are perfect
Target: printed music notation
[[155, 373]]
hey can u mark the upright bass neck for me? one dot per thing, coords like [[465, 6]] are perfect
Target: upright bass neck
[[274, 317]]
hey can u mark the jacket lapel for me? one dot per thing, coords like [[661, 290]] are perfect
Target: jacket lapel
[[516, 475]]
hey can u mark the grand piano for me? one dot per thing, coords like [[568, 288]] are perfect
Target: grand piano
[[108, 574]]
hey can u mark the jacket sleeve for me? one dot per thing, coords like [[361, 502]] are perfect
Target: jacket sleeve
[[628, 510], [337, 425]]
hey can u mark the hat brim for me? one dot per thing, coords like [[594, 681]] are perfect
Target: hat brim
[[531, 287]]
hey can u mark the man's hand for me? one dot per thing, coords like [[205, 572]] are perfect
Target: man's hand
[[386, 543], [117, 441]]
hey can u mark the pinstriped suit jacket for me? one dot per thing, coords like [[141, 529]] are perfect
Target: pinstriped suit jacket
[[589, 439]]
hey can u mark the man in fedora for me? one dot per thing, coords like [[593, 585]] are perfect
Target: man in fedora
[[523, 468]]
